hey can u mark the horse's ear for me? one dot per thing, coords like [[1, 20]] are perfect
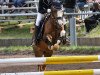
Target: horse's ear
[[52, 7]]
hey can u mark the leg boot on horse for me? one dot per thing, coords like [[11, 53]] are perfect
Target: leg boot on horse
[[66, 39]]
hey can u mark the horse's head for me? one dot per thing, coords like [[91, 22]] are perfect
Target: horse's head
[[58, 17], [57, 12]]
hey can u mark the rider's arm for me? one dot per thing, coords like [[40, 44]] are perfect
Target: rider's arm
[[40, 7], [49, 6]]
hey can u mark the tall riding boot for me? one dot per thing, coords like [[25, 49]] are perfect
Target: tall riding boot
[[37, 29]]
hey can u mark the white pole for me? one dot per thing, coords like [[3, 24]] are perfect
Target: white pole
[[39, 60], [65, 72], [53, 60]]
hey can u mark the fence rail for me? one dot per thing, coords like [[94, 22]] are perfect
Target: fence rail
[[30, 14], [72, 21], [67, 72], [56, 60], [18, 8], [27, 42], [53, 60]]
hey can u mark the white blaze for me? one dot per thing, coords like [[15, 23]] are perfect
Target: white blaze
[[60, 14]]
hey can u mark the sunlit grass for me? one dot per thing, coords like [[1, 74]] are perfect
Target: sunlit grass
[[95, 32], [79, 48], [15, 49], [13, 33]]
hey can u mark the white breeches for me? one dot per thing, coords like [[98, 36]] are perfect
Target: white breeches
[[39, 18]]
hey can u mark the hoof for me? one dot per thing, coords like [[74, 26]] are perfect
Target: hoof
[[55, 47]]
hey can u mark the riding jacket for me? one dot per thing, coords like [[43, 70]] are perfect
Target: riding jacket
[[44, 5]]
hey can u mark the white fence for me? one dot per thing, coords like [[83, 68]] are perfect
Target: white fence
[[65, 72], [53, 60], [56, 60], [31, 5]]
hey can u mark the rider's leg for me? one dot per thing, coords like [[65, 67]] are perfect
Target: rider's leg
[[37, 28]]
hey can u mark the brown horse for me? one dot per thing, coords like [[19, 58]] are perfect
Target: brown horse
[[52, 31]]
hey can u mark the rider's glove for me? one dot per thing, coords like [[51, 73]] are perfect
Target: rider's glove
[[48, 10]]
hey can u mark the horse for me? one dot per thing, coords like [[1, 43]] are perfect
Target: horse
[[53, 30]]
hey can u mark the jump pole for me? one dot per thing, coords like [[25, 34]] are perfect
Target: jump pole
[[54, 59], [66, 72]]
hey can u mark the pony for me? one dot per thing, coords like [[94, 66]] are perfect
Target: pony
[[53, 31]]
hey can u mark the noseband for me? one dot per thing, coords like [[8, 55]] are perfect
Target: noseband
[[54, 17]]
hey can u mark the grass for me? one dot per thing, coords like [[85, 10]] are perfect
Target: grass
[[64, 48], [80, 48], [8, 23], [13, 33], [95, 32], [25, 32], [15, 49]]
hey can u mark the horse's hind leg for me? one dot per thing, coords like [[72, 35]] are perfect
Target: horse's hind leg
[[38, 53], [42, 67], [47, 53]]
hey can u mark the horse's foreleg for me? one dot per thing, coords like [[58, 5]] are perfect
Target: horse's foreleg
[[56, 46], [39, 67], [49, 40], [63, 39], [43, 67], [49, 37], [63, 32]]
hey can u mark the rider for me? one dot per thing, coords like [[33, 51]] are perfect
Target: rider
[[44, 7]]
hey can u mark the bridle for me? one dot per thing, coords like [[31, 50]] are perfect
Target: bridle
[[55, 17]]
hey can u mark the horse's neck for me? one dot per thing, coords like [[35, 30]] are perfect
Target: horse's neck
[[53, 21], [50, 29], [49, 25]]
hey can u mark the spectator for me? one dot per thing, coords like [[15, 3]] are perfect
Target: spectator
[[1, 2], [81, 4], [10, 3], [19, 3], [92, 21], [69, 6]]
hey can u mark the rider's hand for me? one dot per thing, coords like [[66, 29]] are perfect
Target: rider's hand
[[48, 10]]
